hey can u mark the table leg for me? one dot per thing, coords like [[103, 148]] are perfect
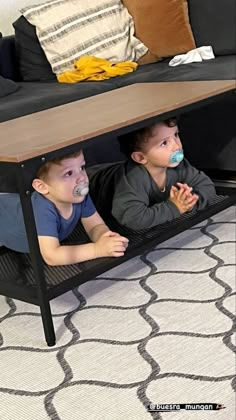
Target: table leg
[[37, 265]]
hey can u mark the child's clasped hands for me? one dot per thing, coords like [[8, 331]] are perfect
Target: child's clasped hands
[[183, 197]]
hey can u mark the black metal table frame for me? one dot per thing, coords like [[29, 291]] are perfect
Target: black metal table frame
[[22, 169]]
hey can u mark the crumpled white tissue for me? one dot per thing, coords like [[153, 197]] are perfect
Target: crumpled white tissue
[[193, 56]]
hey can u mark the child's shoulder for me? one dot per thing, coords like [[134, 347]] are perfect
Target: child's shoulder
[[131, 168], [41, 203], [40, 199], [136, 175]]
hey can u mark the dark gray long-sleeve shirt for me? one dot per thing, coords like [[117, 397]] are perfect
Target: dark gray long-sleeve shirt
[[138, 203]]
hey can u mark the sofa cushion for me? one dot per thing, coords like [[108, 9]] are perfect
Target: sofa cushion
[[8, 60], [38, 96], [104, 178], [221, 68], [7, 87], [213, 23], [33, 63], [68, 29], [162, 25]]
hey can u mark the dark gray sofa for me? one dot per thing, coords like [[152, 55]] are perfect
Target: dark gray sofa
[[208, 134]]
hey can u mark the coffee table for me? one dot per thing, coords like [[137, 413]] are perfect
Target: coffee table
[[38, 134], [29, 141]]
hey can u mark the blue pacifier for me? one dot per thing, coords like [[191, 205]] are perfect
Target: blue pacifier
[[176, 157], [81, 190]]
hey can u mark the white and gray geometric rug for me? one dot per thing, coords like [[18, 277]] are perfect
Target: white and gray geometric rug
[[158, 329]]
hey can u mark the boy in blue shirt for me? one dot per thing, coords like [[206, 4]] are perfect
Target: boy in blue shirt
[[59, 201]]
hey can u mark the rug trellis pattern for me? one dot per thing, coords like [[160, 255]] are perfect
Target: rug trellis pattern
[[158, 329]]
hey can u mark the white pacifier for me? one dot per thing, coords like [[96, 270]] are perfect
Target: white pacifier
[[81, 190]]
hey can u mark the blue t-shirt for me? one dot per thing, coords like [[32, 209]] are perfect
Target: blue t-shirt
[[47, 218]]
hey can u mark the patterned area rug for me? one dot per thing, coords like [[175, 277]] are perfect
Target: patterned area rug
[[157, 329]]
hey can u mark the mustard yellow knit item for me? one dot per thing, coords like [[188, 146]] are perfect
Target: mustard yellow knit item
[[94, 68]]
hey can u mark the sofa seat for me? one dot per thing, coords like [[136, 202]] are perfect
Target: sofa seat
[[36, 96], [220, 68]]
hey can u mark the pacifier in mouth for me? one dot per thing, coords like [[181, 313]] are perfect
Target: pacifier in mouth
[[176, 157], [81, 190]]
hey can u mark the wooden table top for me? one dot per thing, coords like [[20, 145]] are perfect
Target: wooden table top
[[46, 131]]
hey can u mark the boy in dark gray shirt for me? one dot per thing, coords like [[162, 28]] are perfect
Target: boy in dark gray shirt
[[157, 184]]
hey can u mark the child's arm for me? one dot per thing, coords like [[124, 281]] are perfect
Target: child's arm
[[134, 205], [94, 226], [55, 254], [106, 244], [200, 183], [132, 208]]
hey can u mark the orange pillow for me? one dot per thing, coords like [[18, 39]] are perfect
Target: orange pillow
[[163, 26]]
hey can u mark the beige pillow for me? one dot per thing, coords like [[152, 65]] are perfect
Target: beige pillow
[[69, 29], [163, 26]]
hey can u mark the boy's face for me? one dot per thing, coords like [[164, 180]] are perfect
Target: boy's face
[[157, 150], [64, 177]]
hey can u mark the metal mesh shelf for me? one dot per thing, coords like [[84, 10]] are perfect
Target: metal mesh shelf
[[17, 276]]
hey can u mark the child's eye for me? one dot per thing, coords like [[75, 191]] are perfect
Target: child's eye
[[164, 143], [177, 134], [69, 173], [83, 168]]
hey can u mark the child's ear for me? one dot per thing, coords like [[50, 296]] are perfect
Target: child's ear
[[139, 158], [40, 186]]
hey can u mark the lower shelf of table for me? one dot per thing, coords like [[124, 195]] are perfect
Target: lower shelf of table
[[17, 276]]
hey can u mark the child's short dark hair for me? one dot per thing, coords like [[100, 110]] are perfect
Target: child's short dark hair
[[44, 169], [133, 141]]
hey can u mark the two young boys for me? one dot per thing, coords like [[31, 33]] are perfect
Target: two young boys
[[156, 184]]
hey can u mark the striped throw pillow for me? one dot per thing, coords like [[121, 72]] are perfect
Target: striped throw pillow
[[69, 29]]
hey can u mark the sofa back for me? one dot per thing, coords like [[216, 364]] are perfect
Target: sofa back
[[8, 58], [213, 22]]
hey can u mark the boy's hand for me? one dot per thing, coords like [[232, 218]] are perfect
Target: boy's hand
[[185, 186], [183, 198], [110, 244]]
